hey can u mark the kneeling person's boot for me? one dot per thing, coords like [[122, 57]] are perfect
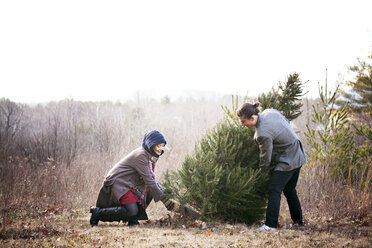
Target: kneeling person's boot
[[111, 214], [94, 219], [133, 221], [118, 213]]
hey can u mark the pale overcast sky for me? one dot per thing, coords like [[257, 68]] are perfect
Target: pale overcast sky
[[106, 50]]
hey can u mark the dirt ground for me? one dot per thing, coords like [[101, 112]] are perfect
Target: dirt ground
[[62, 227]]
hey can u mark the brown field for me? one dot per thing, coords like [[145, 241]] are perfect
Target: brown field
[[62, 227]]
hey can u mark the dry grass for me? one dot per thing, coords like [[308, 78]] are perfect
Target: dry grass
[[335, 216], [326, 197], [63, 227]]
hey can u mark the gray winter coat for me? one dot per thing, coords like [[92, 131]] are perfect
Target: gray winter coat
[[132, 170], [279, 144]]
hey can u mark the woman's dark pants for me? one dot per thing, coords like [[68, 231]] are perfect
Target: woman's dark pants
[[283, 181]]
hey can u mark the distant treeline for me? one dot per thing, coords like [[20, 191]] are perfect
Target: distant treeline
[[68, 129]]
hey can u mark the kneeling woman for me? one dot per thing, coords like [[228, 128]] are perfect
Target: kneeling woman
[[130, 185]]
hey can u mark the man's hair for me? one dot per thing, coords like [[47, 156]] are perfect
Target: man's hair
[[247, 110]]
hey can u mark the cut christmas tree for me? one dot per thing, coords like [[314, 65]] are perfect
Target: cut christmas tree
[[221, 179]]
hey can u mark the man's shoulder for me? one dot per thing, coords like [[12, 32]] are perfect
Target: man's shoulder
[[273, 115], [271, 112], [268, 116], [271, 120]]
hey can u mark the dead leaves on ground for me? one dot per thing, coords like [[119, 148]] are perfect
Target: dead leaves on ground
[[60, 226], [37, 225], [176, 220]]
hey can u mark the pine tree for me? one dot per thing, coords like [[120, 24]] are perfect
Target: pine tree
[[288, 100], [332, 142], [222, 179], [360, 95], [365, 130]]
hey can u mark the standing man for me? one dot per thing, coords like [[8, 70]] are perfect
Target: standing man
[[279, 147]]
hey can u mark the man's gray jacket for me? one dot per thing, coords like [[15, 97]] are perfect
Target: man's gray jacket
[[278, 143]]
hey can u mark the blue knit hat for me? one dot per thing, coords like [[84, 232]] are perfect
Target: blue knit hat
[[151, 138]]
